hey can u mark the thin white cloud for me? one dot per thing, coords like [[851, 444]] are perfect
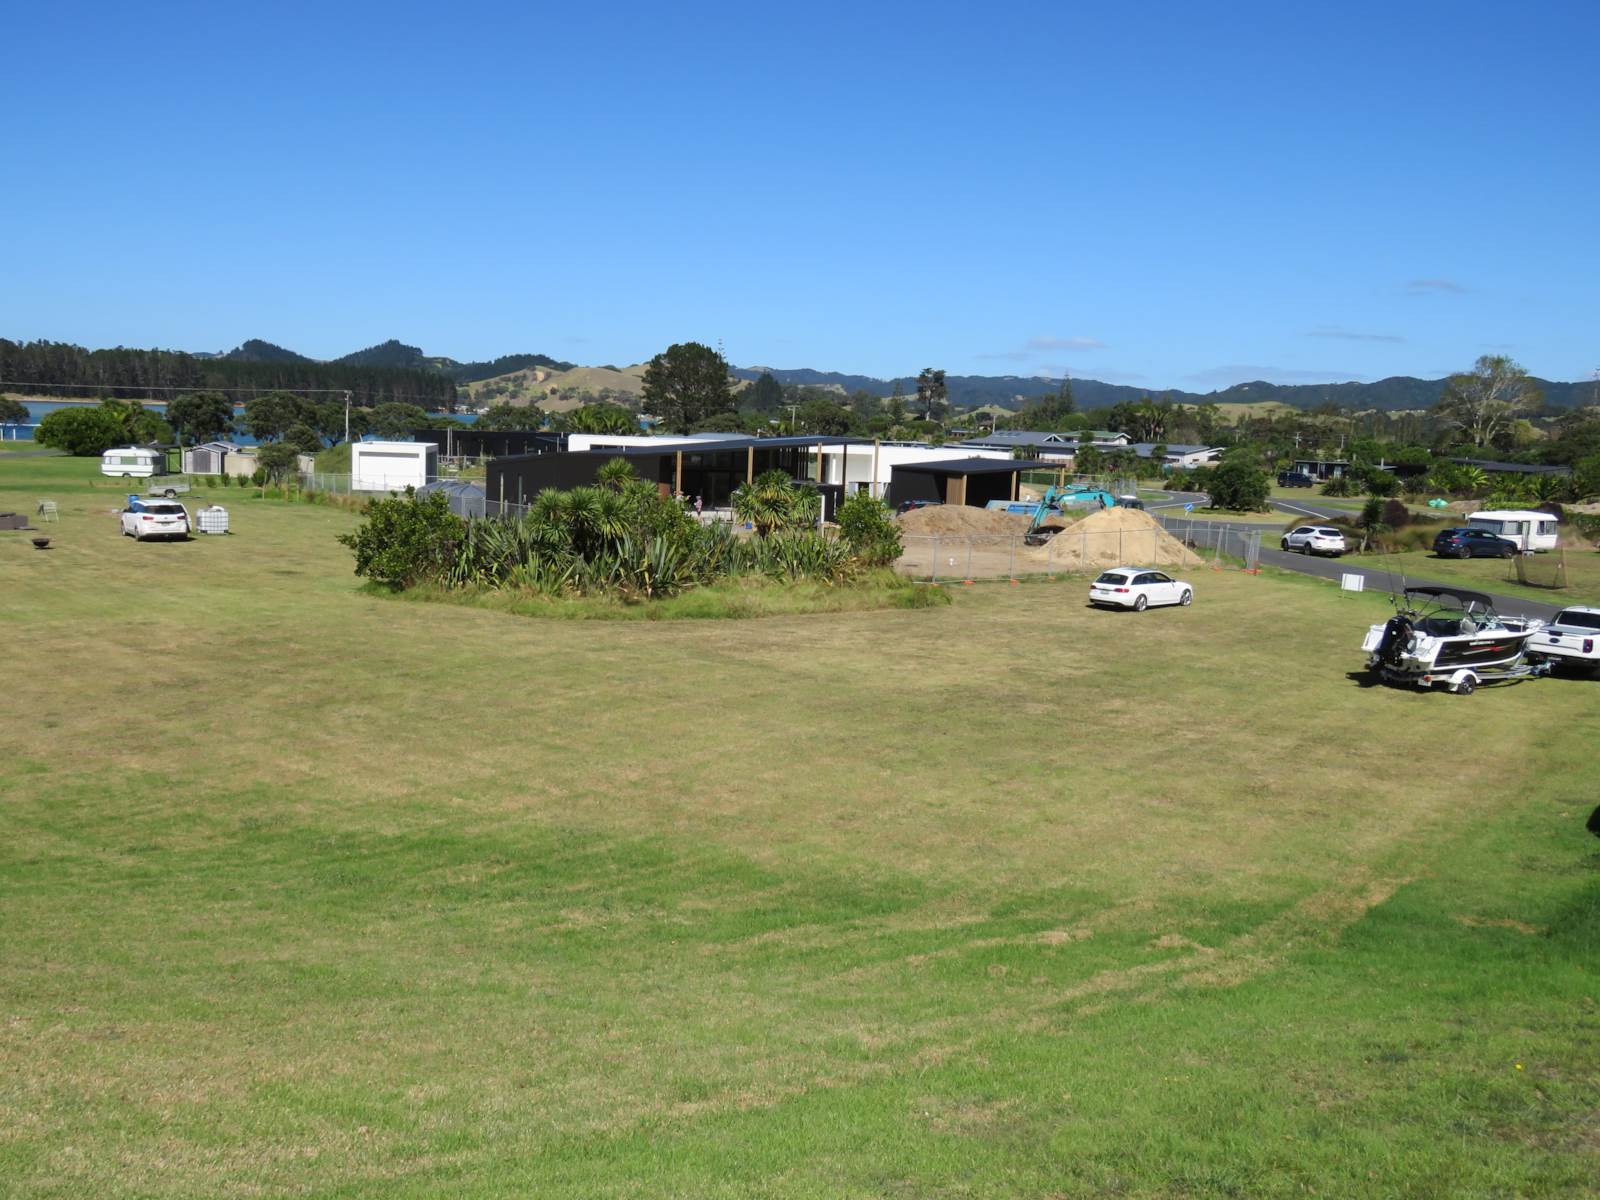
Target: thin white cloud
[[1349, 335], [1041, 345], [1232, 373], [1434, 287], [1065, 343]]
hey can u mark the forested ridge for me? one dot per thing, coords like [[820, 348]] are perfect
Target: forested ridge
[[62, 369]]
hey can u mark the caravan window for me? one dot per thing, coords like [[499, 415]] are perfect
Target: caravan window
[[1547, 527]]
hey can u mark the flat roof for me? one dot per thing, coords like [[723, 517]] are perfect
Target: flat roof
[[668, 448], [973, 466]]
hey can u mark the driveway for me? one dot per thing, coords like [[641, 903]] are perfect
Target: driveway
[[1232, 537]]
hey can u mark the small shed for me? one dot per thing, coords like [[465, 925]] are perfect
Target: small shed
[[466, 499], [392, 466], [970, 481], [209, 458]]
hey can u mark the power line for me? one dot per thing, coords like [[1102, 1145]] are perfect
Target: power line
[[131, 387]]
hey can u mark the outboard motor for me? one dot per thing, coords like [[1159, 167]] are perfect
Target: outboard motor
[[1396, 636]]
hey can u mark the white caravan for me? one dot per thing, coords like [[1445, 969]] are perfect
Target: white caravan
[[1529, 530], [133, 462]]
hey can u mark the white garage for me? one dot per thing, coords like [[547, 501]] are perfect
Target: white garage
[[392, 466]]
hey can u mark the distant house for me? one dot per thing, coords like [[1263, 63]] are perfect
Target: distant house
[[1049, 447], [1180, 456], [1322, 468]]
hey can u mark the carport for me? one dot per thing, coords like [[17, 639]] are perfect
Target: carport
[[969, 481]]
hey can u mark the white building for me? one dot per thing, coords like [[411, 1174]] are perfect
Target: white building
[[577, 443], [868, 466], [392, 466]]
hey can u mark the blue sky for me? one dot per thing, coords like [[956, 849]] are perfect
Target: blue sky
[[1169, 195]]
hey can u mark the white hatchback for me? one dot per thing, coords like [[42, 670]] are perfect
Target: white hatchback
[[1138, 588], [155, 519], [1314, 539]]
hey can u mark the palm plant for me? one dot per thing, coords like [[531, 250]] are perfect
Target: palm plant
[[773, 502]]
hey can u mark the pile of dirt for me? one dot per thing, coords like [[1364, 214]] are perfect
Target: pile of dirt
[[958, 520], [1111, 537]]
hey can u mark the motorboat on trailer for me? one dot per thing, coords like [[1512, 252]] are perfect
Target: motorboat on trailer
[[1453, 638]]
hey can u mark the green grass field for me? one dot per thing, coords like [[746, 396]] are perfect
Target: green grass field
[[313, 892], [1497, 575]]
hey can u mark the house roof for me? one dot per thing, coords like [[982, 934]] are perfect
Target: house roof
[[971, 466], [1508, 468], [1145, 449], [1033, 437], [705, 446]]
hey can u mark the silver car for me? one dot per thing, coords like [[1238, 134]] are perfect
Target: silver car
[[1315, 539]]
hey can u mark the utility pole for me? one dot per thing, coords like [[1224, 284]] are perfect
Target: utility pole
[[793, 409], [347, 416]]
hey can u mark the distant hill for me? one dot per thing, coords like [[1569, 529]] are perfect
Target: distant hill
[[395, 353], [559, 390], [255, 350], [1014, 391]]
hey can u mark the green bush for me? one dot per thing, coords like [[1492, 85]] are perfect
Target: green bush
[[866, 526], [406, 539], [1239, 485], [83, 432]]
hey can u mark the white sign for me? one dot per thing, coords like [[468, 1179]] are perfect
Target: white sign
[[1349, 581]]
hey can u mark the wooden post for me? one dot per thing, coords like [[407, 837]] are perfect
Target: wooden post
[[750, 465], [677, 474], [872, 486], [1016, 481]]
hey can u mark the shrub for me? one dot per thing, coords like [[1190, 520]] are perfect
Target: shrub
[[1396, 515], [1379, 483], [84, 432], [406, 539], [868, 530], [211, 481], [1238, 485]]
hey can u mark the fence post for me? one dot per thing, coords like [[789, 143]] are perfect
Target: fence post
[[935, 574]]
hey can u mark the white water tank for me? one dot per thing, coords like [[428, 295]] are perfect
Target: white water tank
[[213, 519]]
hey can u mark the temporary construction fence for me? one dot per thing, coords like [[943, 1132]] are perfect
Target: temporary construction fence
[[942, 557], [1218, 542], [1538, 570]]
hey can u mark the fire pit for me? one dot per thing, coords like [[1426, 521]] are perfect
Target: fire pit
[[41, 543]]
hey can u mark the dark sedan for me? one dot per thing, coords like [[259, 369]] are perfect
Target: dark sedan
[[1472, 543]]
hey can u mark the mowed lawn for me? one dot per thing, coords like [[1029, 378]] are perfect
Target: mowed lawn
[[1498, 575], [311, 892]]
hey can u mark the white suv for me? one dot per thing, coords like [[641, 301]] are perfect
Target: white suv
[[155, 518], [1315, 539]]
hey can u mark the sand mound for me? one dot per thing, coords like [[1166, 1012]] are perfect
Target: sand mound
[[960, 521], [991, 542], [1111, 537]]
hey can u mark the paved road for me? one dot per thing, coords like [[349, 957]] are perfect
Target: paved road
[[1233, 536]]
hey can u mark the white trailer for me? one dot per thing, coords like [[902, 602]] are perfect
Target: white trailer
[[1528, 529]]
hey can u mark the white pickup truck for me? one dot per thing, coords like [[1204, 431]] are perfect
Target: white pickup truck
[[1572, 639]]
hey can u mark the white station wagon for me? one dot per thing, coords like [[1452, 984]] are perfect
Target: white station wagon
[[1138, 588], [155, 518]]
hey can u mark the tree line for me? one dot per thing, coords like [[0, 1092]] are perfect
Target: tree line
[[62, 369]]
